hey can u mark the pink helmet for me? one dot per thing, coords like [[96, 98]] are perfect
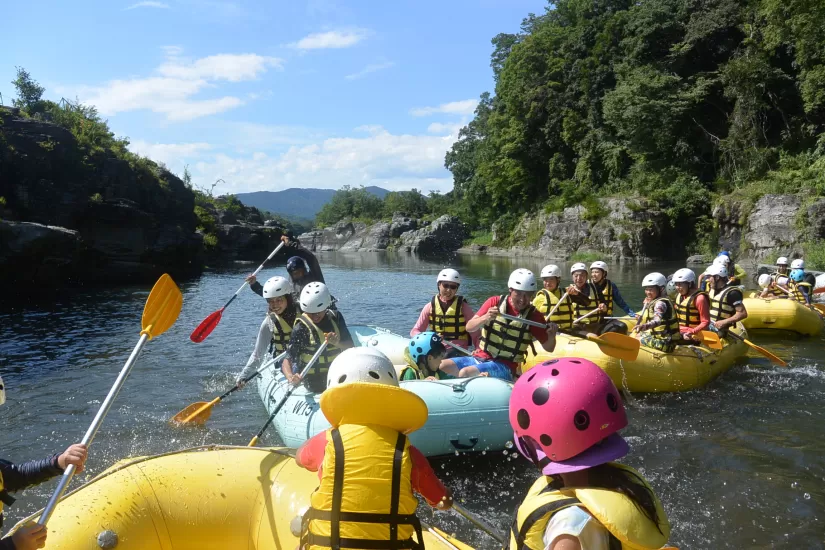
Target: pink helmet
[[565, 414]]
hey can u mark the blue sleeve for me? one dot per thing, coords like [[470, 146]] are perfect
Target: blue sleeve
[[806, 294], [619, 301]]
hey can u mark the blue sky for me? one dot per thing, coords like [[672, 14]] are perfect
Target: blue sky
[[271, 95]]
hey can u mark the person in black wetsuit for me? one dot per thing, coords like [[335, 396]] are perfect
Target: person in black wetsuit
[[303, 268], [16, 477]]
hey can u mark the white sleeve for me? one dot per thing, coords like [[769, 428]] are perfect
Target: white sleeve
[[576, 522], [260, 351]]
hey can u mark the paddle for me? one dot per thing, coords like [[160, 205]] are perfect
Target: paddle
[[198, 413], [481, 524], [610, 343], [304, 372], [709, 338], [159, 313], [465, 351], [585, 316], [208, 325], [555, 307], [763, 351]]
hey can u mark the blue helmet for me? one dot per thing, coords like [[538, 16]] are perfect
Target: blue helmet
[[797, 275], [296, 262], [725, 253], [426, 343]]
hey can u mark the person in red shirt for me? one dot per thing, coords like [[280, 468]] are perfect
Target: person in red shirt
[[692, 305], [367, 467], [503, 343]]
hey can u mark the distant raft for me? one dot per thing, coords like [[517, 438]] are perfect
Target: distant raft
[[687, 368], [467, 414], [781, 315]]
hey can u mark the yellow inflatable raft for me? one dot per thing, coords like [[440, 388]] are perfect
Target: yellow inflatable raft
[[686, 368], [202, 498], [781, 315]]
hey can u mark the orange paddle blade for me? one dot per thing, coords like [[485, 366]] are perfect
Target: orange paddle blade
[[206, 327], [617, 345], [196, 413], [774, 358], [162, 307], [710, 339]]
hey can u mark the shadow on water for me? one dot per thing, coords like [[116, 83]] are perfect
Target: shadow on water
[[738, 464]]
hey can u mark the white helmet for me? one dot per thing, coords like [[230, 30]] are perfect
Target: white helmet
[[684, 275], [449, 275], [718, 270], [782, 260], [721, 260], [277, 286], [764, 280], [2, 391], [361, 365], [654, 279], [670, 288], [578, 267], [522, 279], [599, 265], [315, 298], [550, 271], [798, 263]]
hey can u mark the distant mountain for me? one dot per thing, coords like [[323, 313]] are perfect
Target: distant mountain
[[295, 202]]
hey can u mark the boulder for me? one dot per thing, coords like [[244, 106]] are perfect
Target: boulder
[[401, 224], [771, 227], [369, 239], [444, 235], [39, 255]]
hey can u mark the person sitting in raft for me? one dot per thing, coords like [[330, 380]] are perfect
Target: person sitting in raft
[[318, 323], [503, 343], [726, 306], [658, 320], [276, 328], [607, 289], [367, 467], [774, 286], [566, 416], [808, 277], [447, 313], [16, 477], [800, 290], [549, 299], [738, 274], [692, 305], [586, 297], [424, 356], [302, 266]]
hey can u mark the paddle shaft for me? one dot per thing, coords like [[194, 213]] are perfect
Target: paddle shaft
[[555, 307], [478, 522], [254, 273], [541, 325], [459, 348], [304, 372], [92, 431]]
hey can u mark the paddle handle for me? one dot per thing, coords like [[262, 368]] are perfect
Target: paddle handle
[[459, 348], [523, 320], [304, 372], [478, 522], [66, 478], [555, 307]]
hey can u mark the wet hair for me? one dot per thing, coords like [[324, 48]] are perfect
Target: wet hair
[[291, 311], [607, 476]]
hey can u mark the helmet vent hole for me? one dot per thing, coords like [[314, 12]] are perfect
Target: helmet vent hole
[[342, 378], [612, 402], [581, 420], [523, 418], [374, 374], [554, 372], [530, 378], [419, 349], [541, 395], [546, 440], [576, 361]]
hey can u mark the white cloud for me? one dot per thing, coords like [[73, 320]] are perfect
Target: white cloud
[[370, 69], [171, 154], [330, 39], [441, 128], [148, 4], [231, 67], [465, 107]]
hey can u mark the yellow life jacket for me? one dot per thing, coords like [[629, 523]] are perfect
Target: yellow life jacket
[[775, 290], [563, 316], [606, 294], [624, 520], [719, 308], [316, 337], [580, 310], [796, 292], [670, 327], [686, 311], [450, 324], [281, 331], [505, 339], [354, 505]]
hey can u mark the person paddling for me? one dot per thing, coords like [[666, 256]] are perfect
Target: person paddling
[[726, 302], [503, 343], [551, 300], [586, 297], [692, 305], [302, 266], [566, 416], [367, 467], [317, 324], [447, 313], [16, 477], [608, 290], [424, 356], [658, 326], [276, 328]]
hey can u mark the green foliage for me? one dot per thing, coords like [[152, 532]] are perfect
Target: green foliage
[[587, 257], [2, 201], [409, 203], [206, 219], [480, 237], [357, 204], [29, 92], [593, 210], [814, 255], [47, 145], [97, 198], [210, 241]]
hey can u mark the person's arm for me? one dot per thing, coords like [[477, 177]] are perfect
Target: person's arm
[[423, 320], [297, 340], [17, 477], [619, 301], [704, 315], [579, 298], [483, 315], [805, 290], [310, 455], [297, 249], [658, 318], [545, 336], [734, 298], [541, 304], [425, 482], [258, 354]]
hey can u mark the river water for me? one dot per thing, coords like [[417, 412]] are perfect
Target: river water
[[738, 464]]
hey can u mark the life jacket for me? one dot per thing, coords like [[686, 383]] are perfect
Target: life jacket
[[670, 327], [719, 307], [419, 374], [316, 337], [505, 339], [281, 331], [629, 528], [450, 324], [775, 290], [796, 292], [354, 506], [563, 316], [592, 303], [606, 295], [686, 311]]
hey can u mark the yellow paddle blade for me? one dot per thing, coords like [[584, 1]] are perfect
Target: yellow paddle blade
[[819, 307], [162, 307], [617, 345], [196, 413], [766, 353], [710, 339]]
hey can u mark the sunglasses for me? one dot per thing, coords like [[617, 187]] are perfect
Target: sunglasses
[[449, 286]]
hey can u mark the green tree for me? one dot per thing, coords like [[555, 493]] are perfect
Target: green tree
[[29, 92]]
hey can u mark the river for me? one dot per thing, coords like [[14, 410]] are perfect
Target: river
[[738, 464]]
